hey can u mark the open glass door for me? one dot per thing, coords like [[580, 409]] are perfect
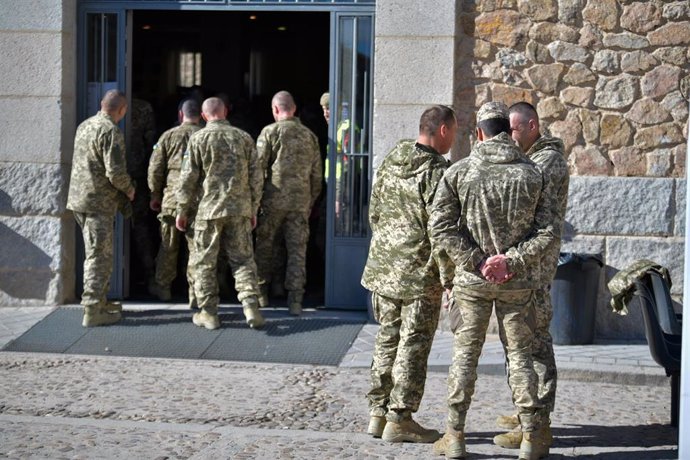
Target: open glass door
[[349, 159], [101, 54]]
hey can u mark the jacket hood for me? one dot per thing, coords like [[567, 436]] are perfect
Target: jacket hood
[[499, 149], [409, 159], [546, 142]]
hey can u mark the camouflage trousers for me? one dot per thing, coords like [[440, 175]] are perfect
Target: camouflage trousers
[[168, 253], [97, 230], [403, 343], [543, 359], [295, 230], [515, 313], [232, 235]]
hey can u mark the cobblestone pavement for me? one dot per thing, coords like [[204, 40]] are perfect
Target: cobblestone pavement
[[62, 406]]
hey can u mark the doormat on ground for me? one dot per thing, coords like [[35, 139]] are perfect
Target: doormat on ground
[[171, 334]]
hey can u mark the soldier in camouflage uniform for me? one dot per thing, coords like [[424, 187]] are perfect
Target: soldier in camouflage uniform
[[406, 275], [98, 184], [548, 154], [141, 139], [291, 161], [220, 172], [490, 216], [164, 171]]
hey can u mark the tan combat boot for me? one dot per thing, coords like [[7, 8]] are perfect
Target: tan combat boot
[[513, 438], [452, 444], [113, 307], [535, 444], [250, 307], [95, 315], [508, 421], [408, 430], [295, 302], [376, 425], [205, 319]]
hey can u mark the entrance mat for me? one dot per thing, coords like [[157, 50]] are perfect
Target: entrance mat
[[171, 334]]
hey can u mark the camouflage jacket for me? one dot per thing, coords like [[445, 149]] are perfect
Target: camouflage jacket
[[622, 285], [99, 178], [141, 138], [402, 262], [548, 154], [492, 203], [221, 167], [291, 160], [166, 162]]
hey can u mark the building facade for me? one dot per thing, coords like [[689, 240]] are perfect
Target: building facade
[[605, 75]]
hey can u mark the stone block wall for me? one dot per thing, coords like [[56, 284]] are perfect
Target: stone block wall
[[605, 76], [37, 103]]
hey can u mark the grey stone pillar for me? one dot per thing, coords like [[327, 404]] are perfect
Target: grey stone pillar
[[37, 114], [413, 63]]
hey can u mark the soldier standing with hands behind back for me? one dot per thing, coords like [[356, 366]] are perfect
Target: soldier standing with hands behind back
[[99, 184], [221, 167], [406, 275], [490, 216]]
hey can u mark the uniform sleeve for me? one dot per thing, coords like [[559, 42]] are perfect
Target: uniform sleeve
[[256, 175], [113, 148], [264, 151], [316, 171], [445, 232], [188, 182], [158, 167], [528, 253], [445, 265], [556, 177], [375, 200]]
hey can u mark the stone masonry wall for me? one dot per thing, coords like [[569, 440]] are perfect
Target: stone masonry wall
[[37, 118], [605, 76]]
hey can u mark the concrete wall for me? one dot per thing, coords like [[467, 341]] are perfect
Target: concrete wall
[[604, 76], [37, 122]]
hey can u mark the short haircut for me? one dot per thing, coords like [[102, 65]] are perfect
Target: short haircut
[[284, 101], [434, 117], [190, 108], [494, 126], [525, 109], [113, 100], [213, 106]]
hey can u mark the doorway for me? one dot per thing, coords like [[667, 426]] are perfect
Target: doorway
[[244, 58]]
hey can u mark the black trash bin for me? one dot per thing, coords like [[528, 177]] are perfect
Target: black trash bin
[[574, 298]]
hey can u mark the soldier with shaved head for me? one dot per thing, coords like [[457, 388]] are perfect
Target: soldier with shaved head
[[99, 183], [291, 163], [221, 181]]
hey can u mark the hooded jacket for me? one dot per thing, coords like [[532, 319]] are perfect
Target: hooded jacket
[[492, 203], [402, 263], [548, 154]]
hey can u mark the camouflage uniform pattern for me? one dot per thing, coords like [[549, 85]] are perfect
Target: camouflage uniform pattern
[[514, 310], [220, 166], [290, 157], [548, 154], [622, 285], [98, 184], [402, 271], [163, 176], [142, 137], [492, 203]]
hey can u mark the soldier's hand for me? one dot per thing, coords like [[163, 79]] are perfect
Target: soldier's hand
[[495, 269], [181, 223], [155, 204], [130, 195], [253, 222]]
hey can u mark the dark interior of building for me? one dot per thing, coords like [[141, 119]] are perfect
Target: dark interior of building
[[244, 58]]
